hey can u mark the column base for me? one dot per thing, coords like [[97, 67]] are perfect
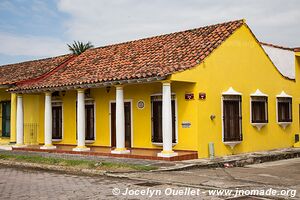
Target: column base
[[167, 154], [120, 151], [81, 148], [48, 147], [19, 146]]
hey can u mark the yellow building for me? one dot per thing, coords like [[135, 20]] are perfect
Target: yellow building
[[214, 90]]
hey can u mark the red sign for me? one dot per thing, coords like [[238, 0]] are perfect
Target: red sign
[[189, 96], [202, 95]]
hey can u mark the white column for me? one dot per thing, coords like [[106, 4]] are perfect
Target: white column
[[48, 123], [167, 121], [20, 122], [80, 122], [120, 123]]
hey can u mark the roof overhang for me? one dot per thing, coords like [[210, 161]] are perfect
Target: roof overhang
[[5, 86], [89, 85]]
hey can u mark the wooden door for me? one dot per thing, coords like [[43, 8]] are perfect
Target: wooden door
[[231, 121], [157, 122], [127, 124], [6, 119]]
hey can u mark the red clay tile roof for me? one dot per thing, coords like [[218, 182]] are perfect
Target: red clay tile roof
[[277, 46], [12, 73], [150, 57]]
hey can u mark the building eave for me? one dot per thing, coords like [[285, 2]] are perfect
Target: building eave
[[5, 86], [88, 85]]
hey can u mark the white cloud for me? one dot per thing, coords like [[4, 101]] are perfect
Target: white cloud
[[107, 21], [14, 45]]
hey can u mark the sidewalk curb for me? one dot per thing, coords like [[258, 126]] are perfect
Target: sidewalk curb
[[250, 159]]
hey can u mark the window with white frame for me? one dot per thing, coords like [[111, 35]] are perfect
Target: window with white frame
[[156, 116], [232, 118], [284, 109], [57, 120], [89, 119], [259, 109]]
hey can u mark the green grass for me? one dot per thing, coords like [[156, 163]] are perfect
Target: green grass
[[77, 163]]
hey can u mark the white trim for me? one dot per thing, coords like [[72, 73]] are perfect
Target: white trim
[[131, 120], [284, 95], [90, 101], [62, 119], [259, 125], [176, 119], [231, 143], [231, 91], [258, 94]]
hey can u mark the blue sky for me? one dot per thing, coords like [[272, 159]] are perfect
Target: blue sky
[[31, 29]]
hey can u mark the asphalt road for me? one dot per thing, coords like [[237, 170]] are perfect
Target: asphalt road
[[282, 177]]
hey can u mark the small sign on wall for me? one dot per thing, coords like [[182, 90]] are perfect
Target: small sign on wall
[[202, 95], [189, 96], [140, 104], [186, 124]]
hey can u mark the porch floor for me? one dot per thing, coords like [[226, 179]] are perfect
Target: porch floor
[[137, 153]]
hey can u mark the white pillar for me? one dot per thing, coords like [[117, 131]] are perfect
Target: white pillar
[[120, 123], [20, 122], [48, 123], [80, 122], [167, 121]]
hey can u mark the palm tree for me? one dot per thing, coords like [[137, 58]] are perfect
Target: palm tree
[[79, 47]]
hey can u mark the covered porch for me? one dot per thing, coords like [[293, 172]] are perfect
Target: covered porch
[[147, 120], [137, 153]]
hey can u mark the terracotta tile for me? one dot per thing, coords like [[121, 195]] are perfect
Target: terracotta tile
[[144, 58]]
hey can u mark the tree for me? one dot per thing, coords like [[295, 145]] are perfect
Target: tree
[[79, 47]]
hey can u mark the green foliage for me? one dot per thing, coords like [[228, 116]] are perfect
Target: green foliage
[[76, 163], [78, 47]]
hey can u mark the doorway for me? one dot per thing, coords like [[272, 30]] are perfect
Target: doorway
[[5, 118], [127, 113]]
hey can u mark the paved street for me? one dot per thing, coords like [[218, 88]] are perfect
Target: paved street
[[29, 184]]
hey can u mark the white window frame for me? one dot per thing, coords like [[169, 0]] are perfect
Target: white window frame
[[174, 97], [90, 101], [227, 94], [54, 103], [282, 97], [260, 97]]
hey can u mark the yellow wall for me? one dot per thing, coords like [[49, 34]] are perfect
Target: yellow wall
[[32, 119], [141, 127], [242, 64], [13, 113]]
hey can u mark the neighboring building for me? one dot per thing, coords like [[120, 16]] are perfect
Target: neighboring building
[[180, 91], [12, 73]]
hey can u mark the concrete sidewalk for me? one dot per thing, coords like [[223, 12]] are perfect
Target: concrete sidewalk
[[226, 161], [238, 160]]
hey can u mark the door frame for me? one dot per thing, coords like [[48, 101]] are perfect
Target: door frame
[[176, 119], [87, 101], [240, 121], [54, 103], [131, 121], [4, 118]]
